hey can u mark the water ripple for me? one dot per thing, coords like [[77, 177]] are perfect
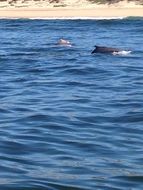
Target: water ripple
[[69, 119]]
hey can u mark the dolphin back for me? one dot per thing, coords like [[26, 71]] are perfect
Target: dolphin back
[[103, 49]]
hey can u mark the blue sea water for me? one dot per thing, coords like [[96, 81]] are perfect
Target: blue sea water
[[70, 120]]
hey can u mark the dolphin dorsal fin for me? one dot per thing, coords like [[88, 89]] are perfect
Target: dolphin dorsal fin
[[96, 46]]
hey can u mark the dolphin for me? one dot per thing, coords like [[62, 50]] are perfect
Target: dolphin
[[64, 42], [103, 49]]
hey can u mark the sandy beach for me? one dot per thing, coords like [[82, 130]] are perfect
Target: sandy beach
[[68, 8], [66, 12]]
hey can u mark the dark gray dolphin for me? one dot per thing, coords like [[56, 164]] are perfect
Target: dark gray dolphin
[[103, 49]]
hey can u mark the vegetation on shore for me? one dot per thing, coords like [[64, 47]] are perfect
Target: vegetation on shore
[[115, 1], [12, 2]]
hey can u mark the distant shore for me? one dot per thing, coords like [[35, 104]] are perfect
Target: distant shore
[[69, 12]]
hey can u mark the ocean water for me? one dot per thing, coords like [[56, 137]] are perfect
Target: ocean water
[[71, 120]]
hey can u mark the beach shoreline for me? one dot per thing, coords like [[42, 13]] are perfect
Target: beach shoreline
[[69, 12]]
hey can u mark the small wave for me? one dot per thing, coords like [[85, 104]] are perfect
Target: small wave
[[67, 18], [10, 18], [77, 18], [122, 52]]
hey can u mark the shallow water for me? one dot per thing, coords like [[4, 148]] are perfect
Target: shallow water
[[70, 120]]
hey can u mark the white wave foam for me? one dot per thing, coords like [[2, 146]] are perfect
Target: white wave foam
[[122, 52], [67, 18], [79, 18]]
